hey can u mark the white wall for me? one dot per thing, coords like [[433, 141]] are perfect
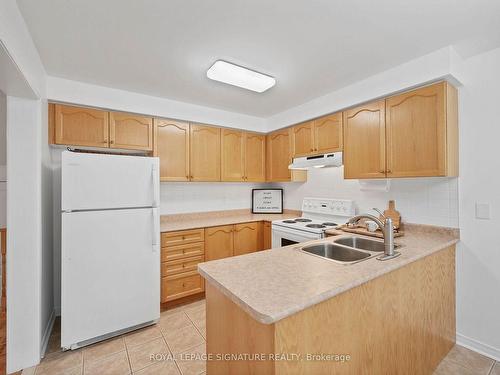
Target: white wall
[[24, 234], [183, 197], [424, 200], [64, 90], [478, 256], [29, 271]]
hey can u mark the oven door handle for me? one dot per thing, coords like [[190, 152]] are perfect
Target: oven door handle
[[294, 232]]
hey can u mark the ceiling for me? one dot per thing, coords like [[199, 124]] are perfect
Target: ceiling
[[312, 47]]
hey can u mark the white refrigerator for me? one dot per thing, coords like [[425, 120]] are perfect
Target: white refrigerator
[[110, 246]]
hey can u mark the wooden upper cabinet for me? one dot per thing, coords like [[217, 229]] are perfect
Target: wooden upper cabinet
[[172, 147], [81, 126], [420, 140], [204, 148], [255, 157], [130, 131], [303, 139], [364, 141], [278, 155], [328, 133], [219, 242], [232, 155], [247, 238]]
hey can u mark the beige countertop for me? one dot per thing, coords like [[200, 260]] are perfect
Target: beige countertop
[[274, 284], [175, 222]]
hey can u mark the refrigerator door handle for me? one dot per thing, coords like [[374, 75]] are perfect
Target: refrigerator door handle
[[156, 184], [156, 229]]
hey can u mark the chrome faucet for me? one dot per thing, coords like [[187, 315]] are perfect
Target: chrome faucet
[[387, 231]]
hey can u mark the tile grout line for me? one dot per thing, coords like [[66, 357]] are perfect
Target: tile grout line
[[171, 352], [196, 327]]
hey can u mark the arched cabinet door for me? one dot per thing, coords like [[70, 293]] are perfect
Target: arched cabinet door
[[219, 242], [78, 126], [204, 146], [416, 133], [233, 155], [131, 132], [278, 155], [255, 157], [172, 147], [328, 134], [303, 139], [364, 141]]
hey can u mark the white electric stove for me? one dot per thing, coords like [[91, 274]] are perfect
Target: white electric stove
[[318, 215]]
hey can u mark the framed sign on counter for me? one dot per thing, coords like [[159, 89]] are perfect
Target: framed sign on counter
[[267, 201]]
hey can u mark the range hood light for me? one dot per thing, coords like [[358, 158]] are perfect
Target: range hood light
[[235, 75], [317, 161]]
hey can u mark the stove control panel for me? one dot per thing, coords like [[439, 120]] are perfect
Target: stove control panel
[[338, 207]]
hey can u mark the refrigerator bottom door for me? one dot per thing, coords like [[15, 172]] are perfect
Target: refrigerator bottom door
[[110, 273]]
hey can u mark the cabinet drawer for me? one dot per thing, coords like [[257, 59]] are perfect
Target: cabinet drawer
[[181, 285], [182, 251], [182, 237], [182, 265]]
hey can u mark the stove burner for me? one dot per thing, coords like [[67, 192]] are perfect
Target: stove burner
[[289, 221], [319, 226], [299, 220], [329, 224]]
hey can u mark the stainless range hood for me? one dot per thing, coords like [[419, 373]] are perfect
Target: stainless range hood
[[317, 161]]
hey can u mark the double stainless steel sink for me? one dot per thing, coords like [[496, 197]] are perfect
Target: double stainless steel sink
[[346, 250]]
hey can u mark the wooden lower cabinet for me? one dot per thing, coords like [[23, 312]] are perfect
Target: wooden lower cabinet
[[246, 238], [266, 235], [219, 242], [181, 285], [180, 254], [402, 322]]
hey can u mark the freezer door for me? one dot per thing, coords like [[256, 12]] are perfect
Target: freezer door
[[110, 272], [96, 181]]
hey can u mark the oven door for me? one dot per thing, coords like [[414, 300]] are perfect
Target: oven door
[[283, 236]]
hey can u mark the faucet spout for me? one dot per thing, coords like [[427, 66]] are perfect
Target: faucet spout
[[387, 229]]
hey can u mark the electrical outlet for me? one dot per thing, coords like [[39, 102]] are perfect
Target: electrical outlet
[[482, 211]]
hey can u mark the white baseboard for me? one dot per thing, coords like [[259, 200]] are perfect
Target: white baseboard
[[477, 346], [47, 332]]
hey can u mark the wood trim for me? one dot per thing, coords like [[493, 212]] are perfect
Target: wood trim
[[3, 302], [51, 112], [452, 133]]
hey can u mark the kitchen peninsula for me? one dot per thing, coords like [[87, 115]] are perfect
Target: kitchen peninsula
[[396, 316]]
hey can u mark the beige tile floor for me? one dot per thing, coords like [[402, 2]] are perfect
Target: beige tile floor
[[182, 331]]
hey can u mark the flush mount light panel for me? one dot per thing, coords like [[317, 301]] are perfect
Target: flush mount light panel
[[235, 75]]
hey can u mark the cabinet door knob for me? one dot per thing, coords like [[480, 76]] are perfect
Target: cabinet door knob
[[112, 142], [312, 149], [381, 171], [388, 171]]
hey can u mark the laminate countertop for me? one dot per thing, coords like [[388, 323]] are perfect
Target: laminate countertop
[[176, 222], [274, 284]]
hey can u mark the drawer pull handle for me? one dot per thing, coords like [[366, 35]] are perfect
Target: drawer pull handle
[[183, 285]]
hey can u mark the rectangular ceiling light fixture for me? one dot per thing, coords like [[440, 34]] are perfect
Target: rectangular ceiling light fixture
[[235, 75]]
